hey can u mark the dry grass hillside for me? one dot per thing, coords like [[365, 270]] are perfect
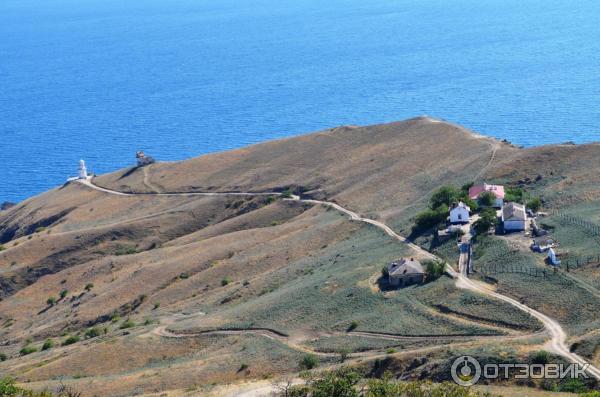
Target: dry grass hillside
[[144, 293]]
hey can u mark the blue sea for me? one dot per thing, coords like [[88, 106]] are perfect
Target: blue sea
[[100, 79]]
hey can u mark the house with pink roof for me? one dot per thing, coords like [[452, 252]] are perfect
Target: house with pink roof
[[497, 190]]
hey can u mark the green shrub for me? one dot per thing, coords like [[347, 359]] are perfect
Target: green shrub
[[225, 281], [92, 333], [63, 294], [243, 367], [487, 220], [3, 358], [434, 269], [156, 305], [445, 195], [344, 353], [535, 204], [115, 317], [40, 229], [48, 344], [541, 357], [353, 325], [89, 286], [385, 273], [184, 276], [71, 340], [430, 218], [127, 324], [125, 251], [309, 361], [486, 199], [287, 193], [51, 301], [2, 247], [515, 194], [391, 350], [573, 386], [27, 350]]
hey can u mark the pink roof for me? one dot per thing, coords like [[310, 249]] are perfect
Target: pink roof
[[475, 191]]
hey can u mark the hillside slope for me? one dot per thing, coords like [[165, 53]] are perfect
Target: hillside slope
[[136, 268]]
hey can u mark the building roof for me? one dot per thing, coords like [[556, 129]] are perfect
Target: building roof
[[460, 204], [405, 266], [513, 212], [475, 191]]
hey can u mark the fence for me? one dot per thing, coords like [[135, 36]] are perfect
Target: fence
[[577, 262], [512, 268], [546, 274], [573, 220]]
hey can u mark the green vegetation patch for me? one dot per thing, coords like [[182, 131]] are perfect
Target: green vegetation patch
[[556, 295]]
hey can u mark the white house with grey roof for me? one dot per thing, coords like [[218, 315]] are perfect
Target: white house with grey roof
[[514, 217], [405, 271]]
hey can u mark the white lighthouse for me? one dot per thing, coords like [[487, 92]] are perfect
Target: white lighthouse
[[82, 170]]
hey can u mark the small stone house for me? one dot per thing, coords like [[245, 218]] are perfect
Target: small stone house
[[406, 271], [514, 217], [460, 213]]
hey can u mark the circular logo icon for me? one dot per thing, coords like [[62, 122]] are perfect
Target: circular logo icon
[[466, 371]]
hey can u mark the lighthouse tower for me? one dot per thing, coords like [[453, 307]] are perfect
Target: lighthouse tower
[[82, 170]]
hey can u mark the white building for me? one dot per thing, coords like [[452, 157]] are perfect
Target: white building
[[460, 213], [513, 217], [82, 170]]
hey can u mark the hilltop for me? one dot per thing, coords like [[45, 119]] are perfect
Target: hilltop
[[142, 270]]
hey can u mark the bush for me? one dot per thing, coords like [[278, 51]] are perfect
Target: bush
[[127, 324], [51, 301], [445, 195], [243, 367], [125, 251], [434, 269], [487, 220], [48, 344], [541, 357], [430, 218], [515, 194], [63, 294], [225, 281], [2, 247], [344, 353], [92, 333], [156, 305], [353, 325], [88, 287], [287, 193], [71, 340], [340, 383], [309, 361], [535, 204], [573, 386], [27, 350], [486, 199], [115, 317], [346, 382], [3, 357]]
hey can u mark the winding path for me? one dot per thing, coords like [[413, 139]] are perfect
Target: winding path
[[558, 337]]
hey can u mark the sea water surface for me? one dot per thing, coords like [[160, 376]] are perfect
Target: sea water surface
[[100, 79]]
